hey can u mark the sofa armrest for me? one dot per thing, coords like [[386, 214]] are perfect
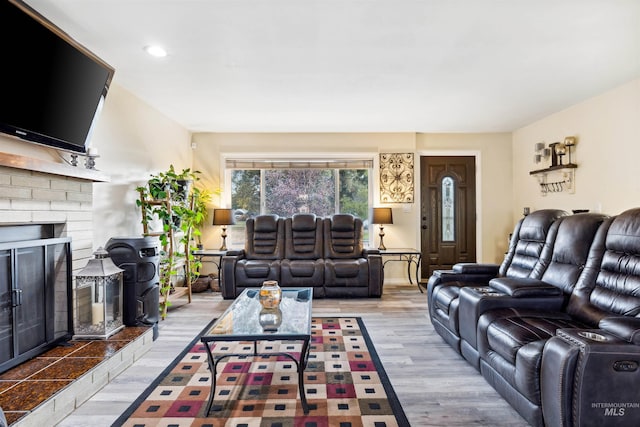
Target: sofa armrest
[[228, 283], [446, 276], [376, 274], [623, 327], [443, 277], [590, 377], [476, 268], [236, 253], [524, 287]]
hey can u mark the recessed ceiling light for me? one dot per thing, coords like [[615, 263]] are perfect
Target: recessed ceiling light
[[155, 50]]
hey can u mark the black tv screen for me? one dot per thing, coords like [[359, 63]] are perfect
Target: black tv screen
[[51, 88]]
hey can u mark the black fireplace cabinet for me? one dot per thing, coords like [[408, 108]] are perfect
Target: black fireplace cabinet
[[36, 311]]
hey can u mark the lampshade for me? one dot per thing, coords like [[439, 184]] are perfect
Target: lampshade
[[223, 217], [382, 216]]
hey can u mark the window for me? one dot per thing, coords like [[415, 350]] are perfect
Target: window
[[288, 187], [448, 210]]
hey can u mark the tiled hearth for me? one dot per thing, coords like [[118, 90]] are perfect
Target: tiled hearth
[[45, 389]]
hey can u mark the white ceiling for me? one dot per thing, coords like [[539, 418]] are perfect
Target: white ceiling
[[359, 65]]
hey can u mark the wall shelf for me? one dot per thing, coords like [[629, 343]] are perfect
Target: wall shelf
[[553, 168], [556, 179], [28, 163]]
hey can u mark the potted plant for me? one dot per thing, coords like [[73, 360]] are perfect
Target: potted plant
[[174, 198], [166, 197], [201, 199], [179, 183], [171, 185], [157, 188], [193, 217]]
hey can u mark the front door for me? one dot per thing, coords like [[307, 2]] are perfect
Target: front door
[[447, 212]]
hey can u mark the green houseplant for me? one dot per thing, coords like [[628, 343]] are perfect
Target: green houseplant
[[170, 197], [192, 218]]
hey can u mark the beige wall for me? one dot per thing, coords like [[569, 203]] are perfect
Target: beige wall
[[607, 153], [133, 140]]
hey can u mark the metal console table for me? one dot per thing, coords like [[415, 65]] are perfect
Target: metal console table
[[410, 256], [216, 256]]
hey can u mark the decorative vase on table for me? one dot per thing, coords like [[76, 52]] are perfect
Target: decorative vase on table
[[270, 294]]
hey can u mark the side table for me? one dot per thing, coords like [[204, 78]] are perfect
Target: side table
[[408, 255], [216, 258]]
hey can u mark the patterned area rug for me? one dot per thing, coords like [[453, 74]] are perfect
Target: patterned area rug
[[345, 385]]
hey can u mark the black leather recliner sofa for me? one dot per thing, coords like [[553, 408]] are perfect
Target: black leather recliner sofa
[[325, 254], [525, 246], [562, 346]]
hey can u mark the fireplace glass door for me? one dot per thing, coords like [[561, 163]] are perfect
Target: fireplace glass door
[[35, 303]]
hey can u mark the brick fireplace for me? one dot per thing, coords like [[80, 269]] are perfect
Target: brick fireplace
[[30, 194], [59, 197], [38, 207]]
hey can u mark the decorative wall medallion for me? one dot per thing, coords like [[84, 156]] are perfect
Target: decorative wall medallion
[[396, 177]]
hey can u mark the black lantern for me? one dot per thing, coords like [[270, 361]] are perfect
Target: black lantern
[[98, 298]]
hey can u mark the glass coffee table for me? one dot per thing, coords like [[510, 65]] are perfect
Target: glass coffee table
[[246, 321]]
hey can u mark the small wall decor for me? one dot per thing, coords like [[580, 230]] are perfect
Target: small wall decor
[[559, 176], [396, 177]]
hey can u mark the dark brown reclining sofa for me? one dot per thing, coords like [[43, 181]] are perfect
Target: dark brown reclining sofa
[[562, 343], [304, 250]]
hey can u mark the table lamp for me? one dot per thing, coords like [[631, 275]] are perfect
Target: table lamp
[[223, 217], [382, 216]]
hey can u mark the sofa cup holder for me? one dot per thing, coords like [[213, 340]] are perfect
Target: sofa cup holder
[[592, 336], [486, 290]]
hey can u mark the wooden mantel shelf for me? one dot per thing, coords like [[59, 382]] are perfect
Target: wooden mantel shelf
[[28, 163]]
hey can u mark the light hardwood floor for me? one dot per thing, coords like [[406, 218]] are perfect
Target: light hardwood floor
[[434, 384]]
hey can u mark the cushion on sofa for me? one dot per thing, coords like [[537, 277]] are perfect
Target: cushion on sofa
[[531, 240], [303, 237], [303, 265], [342, 236], [264, 237]]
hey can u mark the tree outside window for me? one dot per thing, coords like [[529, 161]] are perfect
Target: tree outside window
[[289, 191]]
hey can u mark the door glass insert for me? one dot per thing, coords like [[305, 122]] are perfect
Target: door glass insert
[[448, 223]]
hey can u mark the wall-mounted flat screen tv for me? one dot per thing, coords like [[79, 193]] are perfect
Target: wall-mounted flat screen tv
[[51, 87]]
